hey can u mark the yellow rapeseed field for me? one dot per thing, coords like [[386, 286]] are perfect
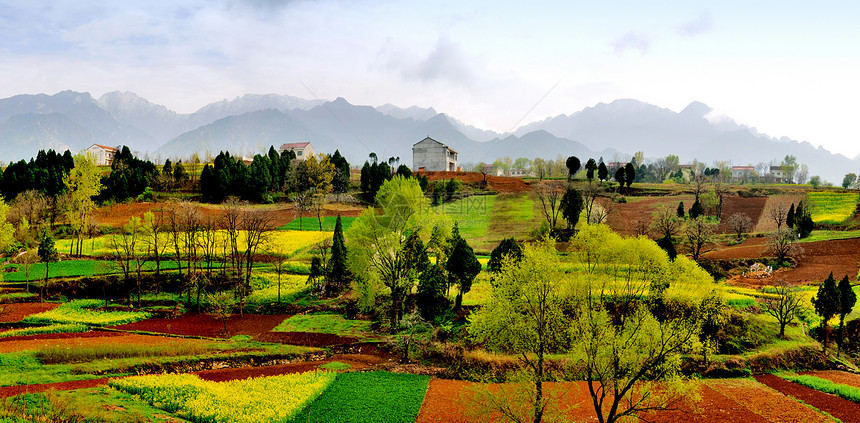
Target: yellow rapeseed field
[[253, 400]]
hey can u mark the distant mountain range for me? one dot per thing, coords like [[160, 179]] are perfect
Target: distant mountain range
[[251, 123]]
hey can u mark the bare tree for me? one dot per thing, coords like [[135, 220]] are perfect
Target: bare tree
[[550, 200], [230, 223], [782, 244], [785, 306], [642, 226], [739, 223], [590, 193], [174, 226], [125, 246], [778, 212], [190, 217], [600, 210], [154, 236], [699, 182], [208, 240], [666, 222], [303, 201], [698, 235], [257, 227]]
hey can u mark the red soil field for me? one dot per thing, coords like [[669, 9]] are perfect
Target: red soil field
[[206, 325], [60, 336], [624, 216], [842, 409], [90, 339], [713, 406], [15, 312], [11, 391], [817, 260], [308, 339], [496, 183]]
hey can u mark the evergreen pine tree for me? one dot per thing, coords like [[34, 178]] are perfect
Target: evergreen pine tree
[[462, 267], [847, 299], [789, 218], [696, 210], [338, 273], [680, 210], [826, 303]]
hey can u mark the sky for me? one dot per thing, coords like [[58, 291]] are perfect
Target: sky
[[788, 68]]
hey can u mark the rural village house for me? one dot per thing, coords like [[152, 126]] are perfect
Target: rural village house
[[102, 154], [432, 155], [302, 149]]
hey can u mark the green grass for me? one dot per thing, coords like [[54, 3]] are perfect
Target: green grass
[[65, 355], [368, 397], [827, 235], [830, 207], [484, 220], [77, 268], [325, 323], [336, 365], [848, 392], [312, 223], [102, 404]]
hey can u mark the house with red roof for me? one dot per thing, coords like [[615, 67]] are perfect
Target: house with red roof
[[302, 150]]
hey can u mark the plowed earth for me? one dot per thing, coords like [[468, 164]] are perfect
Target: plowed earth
[[815, 262], [453, 401], [495, 183], [205, 325], [625, 217], [842, 409], [90, 339], [837, 376], [308, 339], [15, 312]]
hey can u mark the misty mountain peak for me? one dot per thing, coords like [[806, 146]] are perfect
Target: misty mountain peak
[[697, 109]]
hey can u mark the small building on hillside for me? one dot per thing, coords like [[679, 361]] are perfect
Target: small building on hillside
[[742, 172], [432, 155], [102, 154], [777, 174], [303, 150]]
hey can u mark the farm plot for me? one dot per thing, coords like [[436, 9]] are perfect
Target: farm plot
[[832, 208], [209, 326], [840, 408], [484, 220], [81, 312], [368, 397], [264, 399], [313, 224]]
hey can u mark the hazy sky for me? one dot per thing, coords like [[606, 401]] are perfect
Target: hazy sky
[[788, 68]]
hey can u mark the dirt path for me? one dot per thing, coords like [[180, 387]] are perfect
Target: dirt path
[[842, 409]]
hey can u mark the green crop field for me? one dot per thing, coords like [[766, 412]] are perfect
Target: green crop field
[[313, 224], [832, 207], [485, 220]]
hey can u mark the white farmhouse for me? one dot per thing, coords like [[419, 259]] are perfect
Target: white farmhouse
[[102, 154], [432, 155], [303, 150]]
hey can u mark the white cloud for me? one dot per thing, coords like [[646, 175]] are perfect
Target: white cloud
[[701, 24], [632, 40]]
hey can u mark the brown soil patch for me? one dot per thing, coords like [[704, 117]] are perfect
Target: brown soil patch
[[11, 391], [766, 224], [495, 183], [206, 325], [837, 376], [574, 397], [766, 402], [15, 312], [45, 336], [308, 339], [752, 207], [83, 340], [817, 260], [625, 216], [842, 409], [357, 361]]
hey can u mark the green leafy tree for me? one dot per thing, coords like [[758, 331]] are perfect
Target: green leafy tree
[[525, 316], [847, 299], [680, 211], [826, 303], [803, 222], [47, 254], [619, 177], [784, 305], [378, 240], [509, 249], [571, 206], [83, 183], [849, 180], [340, 181], [462, 267]]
